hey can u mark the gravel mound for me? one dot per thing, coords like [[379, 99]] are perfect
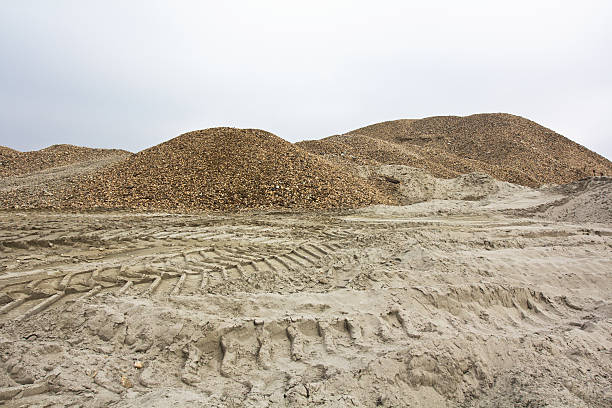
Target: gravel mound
[[223, 169], [46, 188], [519, 150], [361, 150], [18, 163], [7, 152]]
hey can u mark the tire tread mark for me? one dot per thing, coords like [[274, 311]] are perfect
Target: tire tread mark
[[177, 288], [41, 306], [151, 289]]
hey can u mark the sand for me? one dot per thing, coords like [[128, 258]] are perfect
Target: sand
[[588, 200], [477, 296]]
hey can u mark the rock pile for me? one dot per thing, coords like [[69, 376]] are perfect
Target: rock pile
[[223, 169], [507, 147], [17, 163]]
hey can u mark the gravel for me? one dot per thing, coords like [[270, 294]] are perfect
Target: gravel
[[507, 147], [228, 169], [361, 150], [7, 152], [16, 163], [223, 169]]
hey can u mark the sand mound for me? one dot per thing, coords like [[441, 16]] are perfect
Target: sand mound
[[18, 163], [587, 200], [223, 169], [520, 151]]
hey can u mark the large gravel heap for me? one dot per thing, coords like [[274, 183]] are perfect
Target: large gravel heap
[[520, 151], [223, 169], [15, 163], [361, 150], [507, 147]]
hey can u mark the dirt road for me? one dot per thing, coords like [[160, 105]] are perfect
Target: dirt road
[[404, 306]]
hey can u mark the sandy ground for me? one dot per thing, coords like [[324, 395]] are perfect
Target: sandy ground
[[445, 303]]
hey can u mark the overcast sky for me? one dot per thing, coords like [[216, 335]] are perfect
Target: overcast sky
[[131, 74]]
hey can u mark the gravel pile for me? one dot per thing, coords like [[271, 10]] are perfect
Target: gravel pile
[[223, 169], [47, 188], [7, 152], [15, 163], [520, 151], [361, 150]]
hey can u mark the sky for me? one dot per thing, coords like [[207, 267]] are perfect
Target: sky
[[132, 74]]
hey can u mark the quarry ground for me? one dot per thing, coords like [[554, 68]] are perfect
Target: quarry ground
[[447, 303]]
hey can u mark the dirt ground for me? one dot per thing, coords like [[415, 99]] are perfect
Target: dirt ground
[[445, 303]]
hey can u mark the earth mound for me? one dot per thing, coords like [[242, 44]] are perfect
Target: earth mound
[[520, 151], [224, 169], [18, 163]]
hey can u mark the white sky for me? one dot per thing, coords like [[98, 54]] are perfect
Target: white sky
[[131, 74]]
